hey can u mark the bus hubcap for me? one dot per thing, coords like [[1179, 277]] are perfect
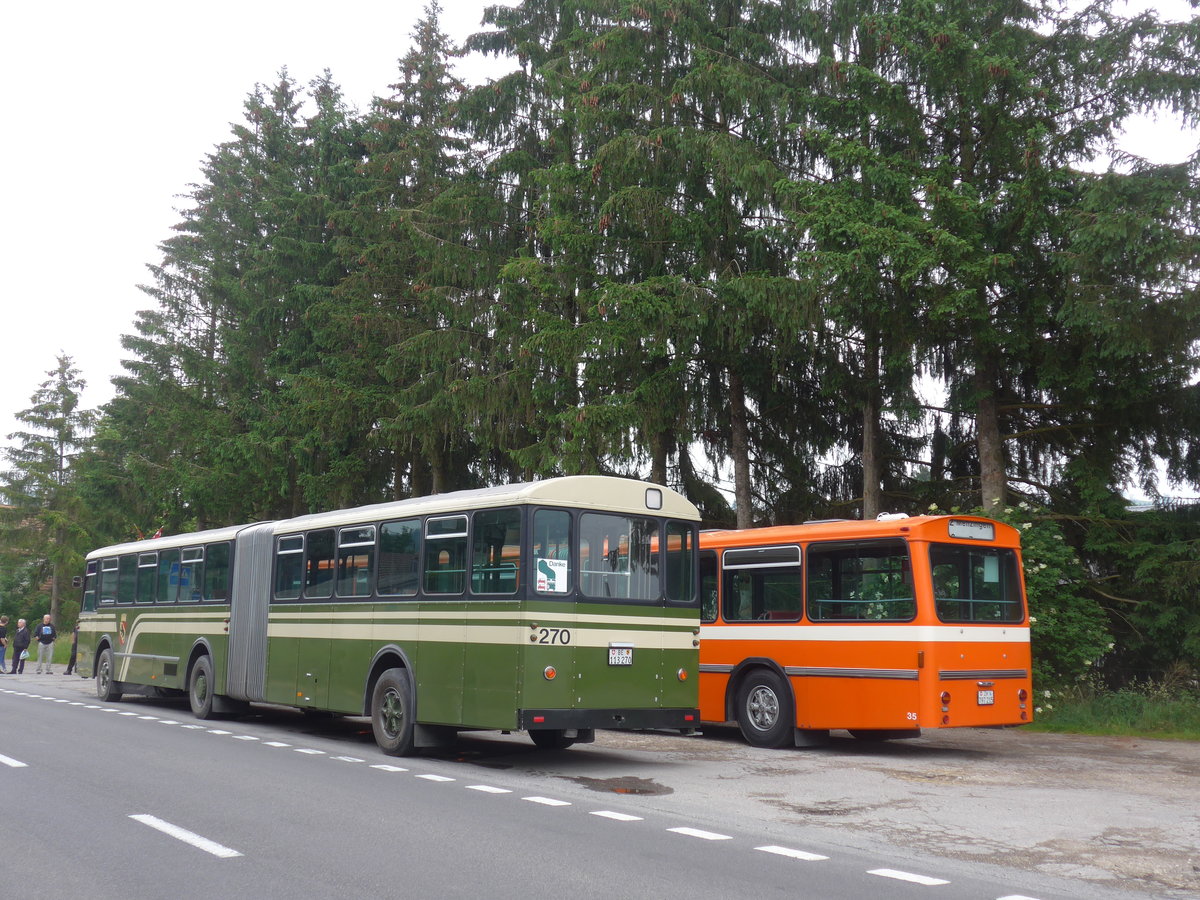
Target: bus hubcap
[[763, 707], [392, 710]]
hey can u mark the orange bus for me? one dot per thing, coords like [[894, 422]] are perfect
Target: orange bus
[[879, 627]]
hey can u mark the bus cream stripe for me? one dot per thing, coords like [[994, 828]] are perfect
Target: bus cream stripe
[[973, 634]]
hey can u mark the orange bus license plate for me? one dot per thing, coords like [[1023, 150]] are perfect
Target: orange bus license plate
[[987, 698]]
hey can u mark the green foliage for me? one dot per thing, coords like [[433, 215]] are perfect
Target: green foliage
[[1167, 708], [1069, 629], [43, 532]]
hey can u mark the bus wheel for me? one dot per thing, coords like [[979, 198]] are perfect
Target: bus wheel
[[392, 713], [200, 689], [551, 739], [106, 686], [764, 710]]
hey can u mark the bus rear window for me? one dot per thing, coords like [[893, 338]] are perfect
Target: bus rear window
[[976, 584], [616, 559]]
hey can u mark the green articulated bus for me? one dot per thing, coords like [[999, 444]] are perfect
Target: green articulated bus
[[557, 607]]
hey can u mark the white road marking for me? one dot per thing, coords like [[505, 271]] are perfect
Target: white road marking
[[435, 778], [388, 768], [244, 737], [218, 731], [488, 789], [703, 835], [1016, 897], [310, 752], [794, 854], [619, 817], [167, 722], [149, 718], [546, 801], [907, 876], [127, 714], [13, 763], [194, 727], [188, 837], [349, 759], [275, 744]]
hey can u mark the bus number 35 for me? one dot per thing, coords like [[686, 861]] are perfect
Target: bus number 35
[[554, 636]]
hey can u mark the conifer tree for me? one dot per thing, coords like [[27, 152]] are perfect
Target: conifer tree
[[41, 527]]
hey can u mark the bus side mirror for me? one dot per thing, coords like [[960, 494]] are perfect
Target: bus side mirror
[[77, 581]]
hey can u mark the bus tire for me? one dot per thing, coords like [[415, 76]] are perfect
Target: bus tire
[[106, 683], [200, 688], [392, 713], [764, 709], [550, 739]]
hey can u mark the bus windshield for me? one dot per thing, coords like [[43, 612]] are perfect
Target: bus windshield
[[976, 584]]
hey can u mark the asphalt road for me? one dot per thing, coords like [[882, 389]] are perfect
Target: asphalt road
[[139, 800]]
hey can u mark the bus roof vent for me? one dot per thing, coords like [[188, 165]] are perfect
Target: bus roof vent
[[890, 517]]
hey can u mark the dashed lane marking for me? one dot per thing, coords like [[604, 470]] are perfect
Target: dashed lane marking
[[793, 854], [546, 801], [703, 835], [616, 816], [488, 789], [907, 876], [13, 763], [188, 837]]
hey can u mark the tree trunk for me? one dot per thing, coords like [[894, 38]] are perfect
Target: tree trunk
[[872, 458], [740, 451], [992, 479]]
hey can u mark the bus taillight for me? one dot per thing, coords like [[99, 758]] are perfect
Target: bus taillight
[[550, 672]]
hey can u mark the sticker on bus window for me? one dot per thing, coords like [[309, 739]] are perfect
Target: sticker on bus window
[[552, 577]]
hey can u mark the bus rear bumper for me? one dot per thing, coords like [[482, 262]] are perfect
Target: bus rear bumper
[[613, 719]]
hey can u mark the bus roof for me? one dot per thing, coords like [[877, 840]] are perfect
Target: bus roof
[[925, 528], [601, 492]]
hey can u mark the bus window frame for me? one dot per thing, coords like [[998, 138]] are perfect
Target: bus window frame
[[372, 544], [895, 540]]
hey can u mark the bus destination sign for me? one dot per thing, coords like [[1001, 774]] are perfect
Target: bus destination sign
[[972, 531]]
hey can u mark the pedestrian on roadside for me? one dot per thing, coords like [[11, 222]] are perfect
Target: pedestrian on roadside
[[3, 642], [74, 651], [20, 648], [45, 651]]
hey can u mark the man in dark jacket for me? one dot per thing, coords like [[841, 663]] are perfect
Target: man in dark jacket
[[20, 643], [45, 636]]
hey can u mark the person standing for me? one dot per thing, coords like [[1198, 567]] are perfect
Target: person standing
[[20, 644], [3, 641], [45, 651], [74, 651]]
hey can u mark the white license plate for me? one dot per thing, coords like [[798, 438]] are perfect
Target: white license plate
[[620, 656], [987, 698]]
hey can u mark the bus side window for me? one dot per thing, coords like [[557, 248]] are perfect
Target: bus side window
[[708, 586], [445, 555], [168, 576], [91, 580], [217, 572], [289, 567], [127, 579], [319, 565]]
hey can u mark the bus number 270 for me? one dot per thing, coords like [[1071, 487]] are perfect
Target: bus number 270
[[554, 635]]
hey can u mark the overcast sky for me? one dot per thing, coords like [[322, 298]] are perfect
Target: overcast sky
[[108, 111]]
